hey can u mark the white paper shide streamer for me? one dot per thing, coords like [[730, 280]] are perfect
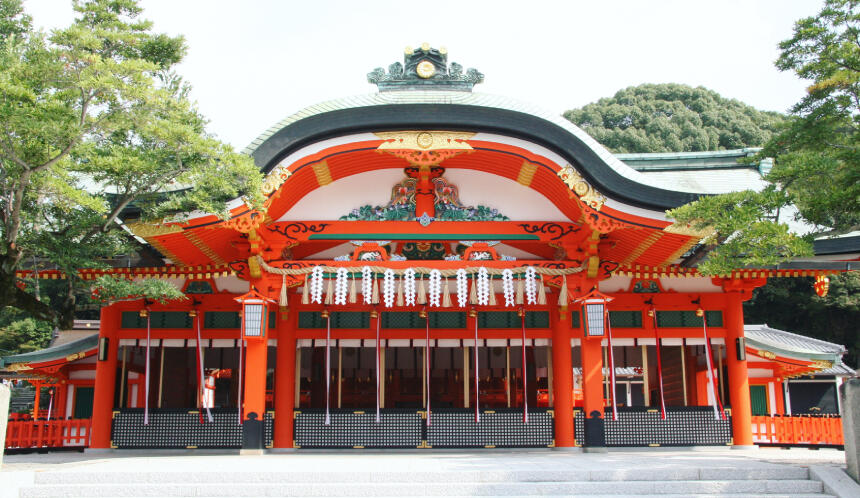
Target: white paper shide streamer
[[462, 288], [531, 285], [409, 287], [435, 284], [341, 286], [508, 286], [366, 285], [317, 284], [483, 290], [388, 288]]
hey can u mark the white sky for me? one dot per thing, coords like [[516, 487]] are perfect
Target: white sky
[[254, 62]]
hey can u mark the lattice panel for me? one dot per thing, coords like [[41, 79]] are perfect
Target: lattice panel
[[158, 320], [688, 319], [641, 426], [356, 429], [268, 429], [511, 320], [339, 320], [221, 320], [401, 320], [629, 319], [498, 428], [175, 429], [412, 320]]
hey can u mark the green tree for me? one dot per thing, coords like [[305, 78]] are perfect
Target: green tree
[[20, 333], [817, 160], [790, 304], [93, 119], [671, 117]]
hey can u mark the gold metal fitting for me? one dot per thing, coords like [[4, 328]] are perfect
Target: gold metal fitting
[[143, 313], [192, 313], [472, 313], [700, 312], [374, 314], [422, 314], [324, 313]]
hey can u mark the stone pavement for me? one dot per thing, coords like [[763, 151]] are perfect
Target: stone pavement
[[504, 467]]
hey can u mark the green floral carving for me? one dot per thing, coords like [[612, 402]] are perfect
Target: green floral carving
[[406, 212]]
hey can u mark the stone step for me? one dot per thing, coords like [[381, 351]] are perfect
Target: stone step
[[190, 476], [685, 495], [791, 487]]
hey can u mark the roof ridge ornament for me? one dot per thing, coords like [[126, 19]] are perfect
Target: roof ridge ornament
[[425, 68]]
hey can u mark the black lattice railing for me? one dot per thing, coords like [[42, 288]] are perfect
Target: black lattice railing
[[178, 428], [500, 428], [397, 428], [642, 426]]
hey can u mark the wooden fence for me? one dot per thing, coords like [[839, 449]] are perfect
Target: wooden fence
[[798, 430], [48, 433]]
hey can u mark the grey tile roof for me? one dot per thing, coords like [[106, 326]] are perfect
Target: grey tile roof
[[798, 346], [452, 97]]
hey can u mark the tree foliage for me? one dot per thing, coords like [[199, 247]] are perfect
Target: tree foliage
[[671, 117], [791, 304], [817, 160], [93, 119]]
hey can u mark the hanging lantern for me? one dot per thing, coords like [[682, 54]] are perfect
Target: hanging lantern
[[822, 285], [254, 314], [594, 312]]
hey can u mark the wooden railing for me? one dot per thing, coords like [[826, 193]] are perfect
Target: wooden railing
[[798, 430], [48, 433]]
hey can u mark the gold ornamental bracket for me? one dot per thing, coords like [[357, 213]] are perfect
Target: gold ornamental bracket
[[425, 149], [273, 181], [581, 188]]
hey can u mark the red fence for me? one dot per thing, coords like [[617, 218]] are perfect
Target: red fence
[[797, 430], [48, 433]]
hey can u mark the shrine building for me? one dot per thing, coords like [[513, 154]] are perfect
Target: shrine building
[[439, 268]]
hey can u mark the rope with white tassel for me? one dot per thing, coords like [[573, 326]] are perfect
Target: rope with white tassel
[[531, 286], [462, 288], [388, 285], [435, 284], [366, 285], [317, 284], [483, 287], [409, 287], [508, 286], [341, 286]]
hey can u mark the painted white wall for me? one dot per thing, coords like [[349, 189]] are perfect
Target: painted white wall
[[70, 397], [232, 284], [512, 199], [615, 283], [338, 198], [697, 284]]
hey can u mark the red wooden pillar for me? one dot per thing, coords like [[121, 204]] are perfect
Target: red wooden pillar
[[285, 379], [739, 393], [591, 353], [562, 376], [780, 396], [103, 396], [38, 385], [254, 396]]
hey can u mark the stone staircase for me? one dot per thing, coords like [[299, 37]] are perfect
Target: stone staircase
[[688, 481]]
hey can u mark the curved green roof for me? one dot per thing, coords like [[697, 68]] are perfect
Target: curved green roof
[[77, 346]]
